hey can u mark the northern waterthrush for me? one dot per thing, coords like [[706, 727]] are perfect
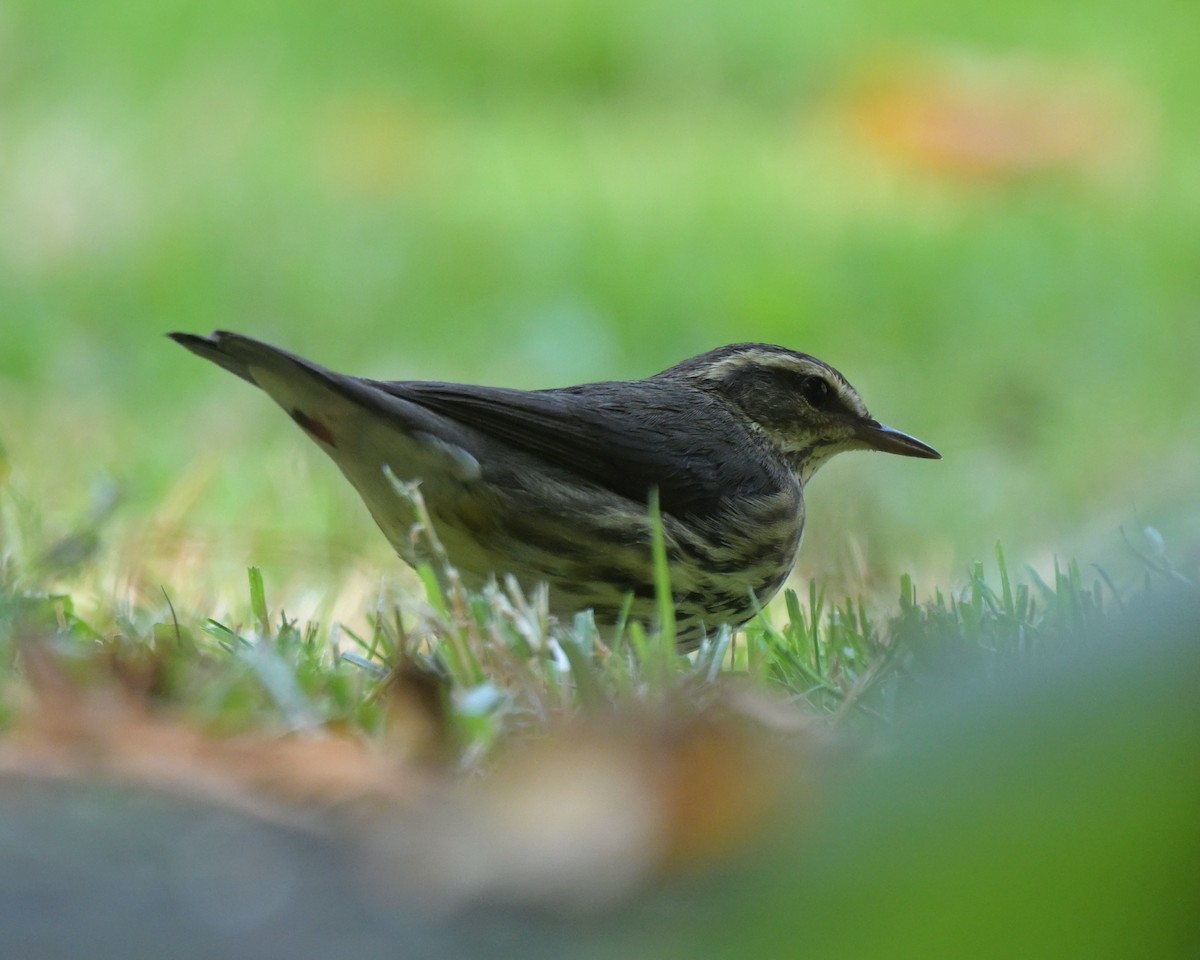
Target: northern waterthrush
[[552, 485]]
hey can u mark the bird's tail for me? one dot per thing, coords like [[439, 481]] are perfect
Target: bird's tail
[[241, 355], [372, 435], [316, 398], [218, 347], [288, 378]]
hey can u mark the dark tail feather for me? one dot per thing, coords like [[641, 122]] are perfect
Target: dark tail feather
[[242, 355], [210, 349]]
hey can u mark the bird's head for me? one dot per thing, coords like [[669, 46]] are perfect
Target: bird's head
[[804, 406]]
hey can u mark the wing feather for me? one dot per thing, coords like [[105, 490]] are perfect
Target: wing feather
[[627, 437]]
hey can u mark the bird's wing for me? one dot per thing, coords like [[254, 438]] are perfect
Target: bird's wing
[[627, 437]]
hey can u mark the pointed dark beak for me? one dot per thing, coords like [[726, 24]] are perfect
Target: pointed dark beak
[[878, 437]]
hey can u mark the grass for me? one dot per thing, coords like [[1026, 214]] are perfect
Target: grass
[[503, 670], [1038, 737]]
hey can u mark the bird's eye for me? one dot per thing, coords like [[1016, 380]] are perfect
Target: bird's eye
[[815, 390]]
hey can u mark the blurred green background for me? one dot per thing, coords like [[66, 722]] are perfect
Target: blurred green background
[[985, 215]]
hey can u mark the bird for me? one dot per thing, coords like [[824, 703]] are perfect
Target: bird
[[553, 486]]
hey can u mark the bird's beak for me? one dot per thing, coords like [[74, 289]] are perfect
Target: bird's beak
[[875, 435]]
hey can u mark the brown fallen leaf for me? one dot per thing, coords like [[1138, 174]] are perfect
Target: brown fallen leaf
[[576, 816], [112, 728], [597, 808]]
